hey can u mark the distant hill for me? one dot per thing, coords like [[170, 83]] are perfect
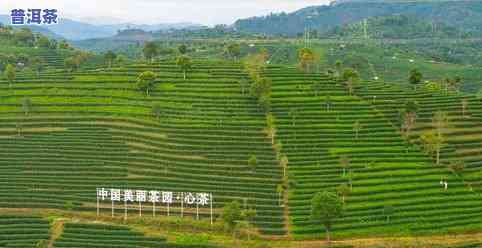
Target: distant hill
[[4, 19], [75, 30], [466, 15], [396, 27]]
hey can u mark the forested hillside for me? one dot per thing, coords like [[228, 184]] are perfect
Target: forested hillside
[[324, 18]]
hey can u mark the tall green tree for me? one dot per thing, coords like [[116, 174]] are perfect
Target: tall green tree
[[182, 49], [43, 41], [357, 128], [150, 50], [185, 63], [146, 81], [316, 87], [10, 74], [344, 163], [415, 78], [233, 50], [37, 64], [280, 189], [156, 110], [343, 190], [284, 163], [306, 59], [72, 63], [252, 162], [408, 115], [26, 105], [109, 57], [326, 207], [432, 143], [350, 76], [231, 215]]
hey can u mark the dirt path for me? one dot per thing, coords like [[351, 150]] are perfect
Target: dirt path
[[56, 230]]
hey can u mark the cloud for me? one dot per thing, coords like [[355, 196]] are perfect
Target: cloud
[[162, 11]]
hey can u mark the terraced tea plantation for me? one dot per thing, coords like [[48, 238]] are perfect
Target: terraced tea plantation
[[97, 130], [22, 230], [63, 135], [332, 138]]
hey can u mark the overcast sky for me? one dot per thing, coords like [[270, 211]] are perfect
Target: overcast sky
[[207, 12]]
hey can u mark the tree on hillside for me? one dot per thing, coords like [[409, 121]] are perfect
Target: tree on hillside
[[10, 74], [316, 87], [63, 44], [408, 115], [356, 128], [185, 63], [252, 163], [338, 66], [343, 190], [457, 167], [465, 105], [43, 41], [243, 84], [24, 37], [388, 211], [156, 110], [270, 129], [150, 50], [284, 163], [261, 91], [344, 163], [350, 76], [120, 59], [415, 78], [37, 64], [145, 81], [306, 59], [293, 113], [109, 57], [328, 103], [233, 50], [255, 64], [440, 122], [432, 143], [326, 207], [247, 215], [182, 49], [72, 63], [231, 215], [26, 105], [280, 190]]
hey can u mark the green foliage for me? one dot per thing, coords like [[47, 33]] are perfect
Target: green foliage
[[388, 211], [231, 215], [24, 37], [156, 110], [252, 162], [43, 41], [146, 81], [109, 57], [150, 50], [185, 63], [26, 105], [41, 244], [182, 49], [261, 90], [10, 73], [326, 207], [306, 59], [69, 205], [233, 50], [415, 77], [343, 190]]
